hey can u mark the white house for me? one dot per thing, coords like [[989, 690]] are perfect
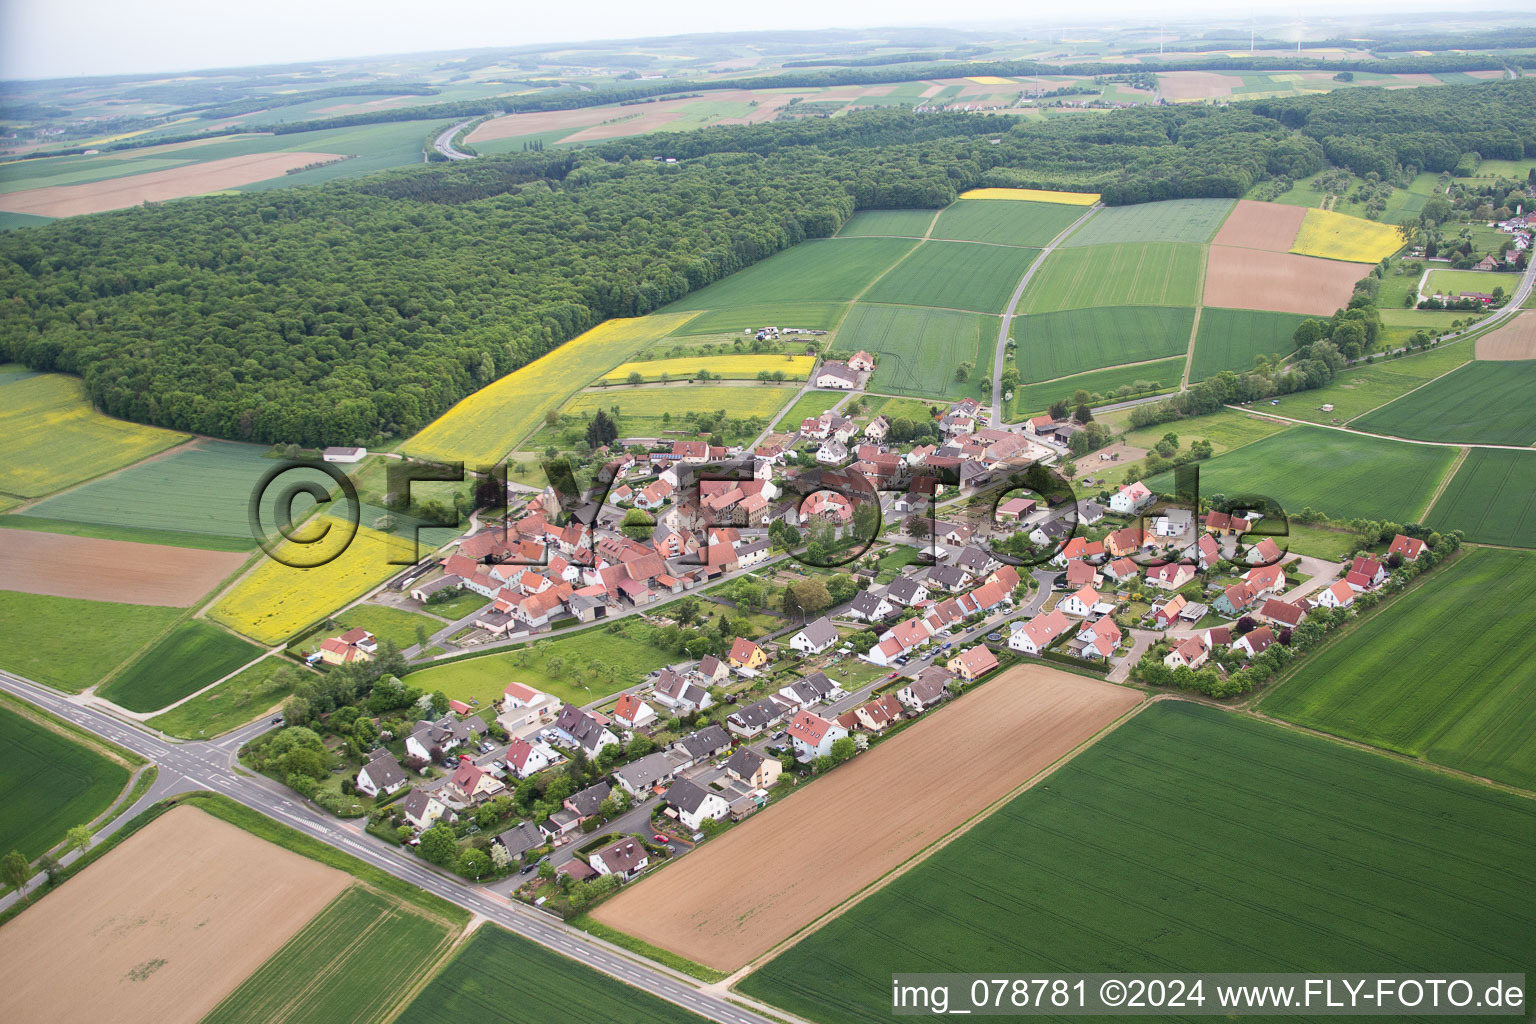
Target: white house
[[625, 859], [525, 758], [1171, 576], [1034, 636], [422, 809], [1080, 603], [633, 713], [816, 637], [868, 607], [345, 454], [694, 804], [813, 735], [381, 774], [1191, 653], [1339, 595], [1130, 499]]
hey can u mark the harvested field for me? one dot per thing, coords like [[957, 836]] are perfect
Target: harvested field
[[157, 186], [868, 817], [1269, 226], [1196, 85], [1515, 340], [1280, 282], [514, 125], [111, 570], [162, 946]]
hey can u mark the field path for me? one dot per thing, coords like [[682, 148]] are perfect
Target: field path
[[1383, 437], [1189, 353], [1445, 481], [996, 419], [1405, 394]]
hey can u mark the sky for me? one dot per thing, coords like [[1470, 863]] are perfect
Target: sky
[[59, 38]]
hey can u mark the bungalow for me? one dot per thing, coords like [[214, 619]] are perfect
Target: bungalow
[[1190, 653], [633, 713], [694, 804], [676, 692], [837, 375], [1282, 613], [1130, 499], [383, 774], [878, 715], [1081, 603], [423, 809], [813, 735], [1339, 595], [701, 745], [929, 688], [973, 663], [624, 859], [1034, 636], [1167, 614], [815, 638], [868, 607], [1171, 576], [656, 769], [1234, 600], [582, 729], [753, 768], [1255, 642], [1409, 547], [746, 654], [524, 758]]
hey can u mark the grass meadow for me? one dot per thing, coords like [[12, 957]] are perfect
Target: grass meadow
[[1480, 403], [190, 657], [354, 961], [1005, 223], [51, 782], [1138, 274], [1192, 839], [1036, 398], [477, 986], [821, 270], [71, 644], [905, 223], [1432, 678], [1229, 339], [1455, 282], [483, 428], [51, 436], [1052, 345], [1226, 429], [812, 403], [917, 348], [1489, 498], [230, 704], [1320, 542], [955, 275], [1355, 392], [1345, 475], [640, 410], [390, 625], [1176, 220]]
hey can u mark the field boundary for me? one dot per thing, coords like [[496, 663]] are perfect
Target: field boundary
[[1450, 474], [1405, 394], [1194, 332]]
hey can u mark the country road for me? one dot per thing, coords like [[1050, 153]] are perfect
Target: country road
[[210, 765]]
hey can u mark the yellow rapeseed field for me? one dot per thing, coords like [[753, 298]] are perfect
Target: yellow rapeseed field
[[1338, 236], [989, 80], [489, 423], [276, 601], [51, 437], [1034, 195], [744, 367]]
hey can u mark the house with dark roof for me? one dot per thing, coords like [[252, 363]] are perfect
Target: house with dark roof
[[588, 803], [382, 774], [753, 768], [710, 741], [583, 729], [816, 637], [695, 804], [624, 859], [754, 718], [518, 840]]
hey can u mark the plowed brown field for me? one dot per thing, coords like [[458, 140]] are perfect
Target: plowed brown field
[[1279, 281], [1515, 340], [740, 895], [1269, 226], [162, 928], [111, 570]]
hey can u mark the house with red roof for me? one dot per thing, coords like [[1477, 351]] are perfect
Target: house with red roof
[[633, 713], [813, 735], [1171, 575], [1265, 552], [1265, 579], [1338, 595], [1409, 547], [1254, 643], [972, 663], [1188, 653], [1034, 636], [746, 654]]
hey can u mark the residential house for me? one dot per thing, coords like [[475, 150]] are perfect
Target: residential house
[[353, 645], [1254, 642], [655, 769], [524, 758], [928, 688], [862, 361], [1209, 550], [712, 670], [1265, 552], [1265, 579], [906, 591], [1080, 603], [423, 809], [1089, 513], [1048, 533], [382, 774], [1366, 573], [1170, 576], [1167, 614], [1123, 542], [694, 804], [753, 768], [1121, 570], [1173, 523], [588, 803], [877, 428], [1081, 574], [877, 715], [1098, 638], [746, 654], [1284, 614], [518, 840], [583, 729], [831, 452], [469, 784], [1234, 600], [633, 713], [816, 637], [1409, 547], [1130, 499], [813, 735], [624, 859], [1339, 595], [698, 747], [1034, 636], [754, 718], [680, 694], [813, 689], [973, 663], [1189, 653], [430, 741], [869, 607]]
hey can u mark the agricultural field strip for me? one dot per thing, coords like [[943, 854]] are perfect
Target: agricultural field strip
[[1479, 401], [1489, 498], [1386, 437]]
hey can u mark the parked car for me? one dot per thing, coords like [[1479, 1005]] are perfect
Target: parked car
[[893, 675], [527, 868], [658, 837]]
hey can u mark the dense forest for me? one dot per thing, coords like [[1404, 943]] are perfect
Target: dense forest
[[351, 311]]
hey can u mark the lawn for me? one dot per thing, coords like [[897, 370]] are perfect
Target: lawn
[[232, 703], [1052, 345], [1344, 475], [821, 270], [812, 403], [818, 316], [1005, 223], [641, 409], [1162, 375], [1229, 339], [1354, 392], [51, 782], [955, 275], [1139, 274], [482, 428], [545, 986], [390, 625], [274, 601], [1338, 236], [917, 349], [51, 436], [1226, 429], [69, 643], [1319, 542], [1479, 403], [1190, 839], [735, 367], [1177, 220], [1455, 282], [354, 961], [905, 408], [1428, 679], [554, 669], [190, 657], [906, 223], [1489, 498]]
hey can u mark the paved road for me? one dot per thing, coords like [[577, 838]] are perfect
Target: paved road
[[444, 143], [209, 765], [996, 419]]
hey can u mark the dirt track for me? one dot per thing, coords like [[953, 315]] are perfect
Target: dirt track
[[749, 890], [1515, 340], [1268, 226], [1279, 281], [163, 928], [156, 186], [111, 570]]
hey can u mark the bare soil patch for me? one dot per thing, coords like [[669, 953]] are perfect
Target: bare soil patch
[[1196, 85], [156, 186], [513, 125], [1279, 281], [651, 117], [742, 894], [162, 928], [1515, 340], [111, 570], [1268, 226]]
